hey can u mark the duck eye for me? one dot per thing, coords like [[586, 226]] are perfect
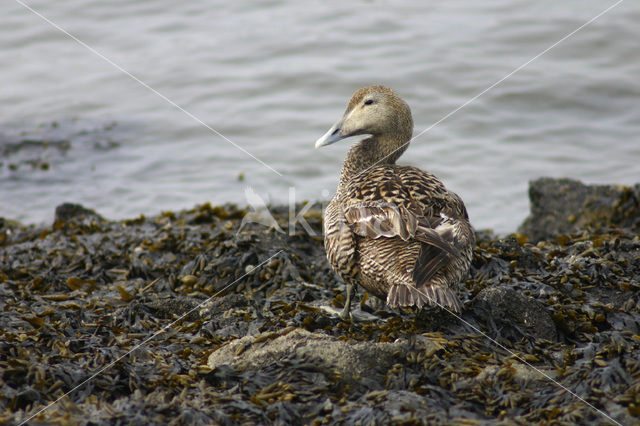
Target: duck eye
[[368, 102]]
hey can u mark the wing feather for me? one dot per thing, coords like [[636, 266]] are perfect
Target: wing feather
[[396, 221], [409, 204]]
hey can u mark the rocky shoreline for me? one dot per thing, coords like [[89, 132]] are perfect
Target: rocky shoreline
[[114, 320]]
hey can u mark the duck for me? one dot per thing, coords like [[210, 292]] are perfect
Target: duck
[[395, 230]]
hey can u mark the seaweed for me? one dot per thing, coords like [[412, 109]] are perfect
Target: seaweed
[[180, 318]]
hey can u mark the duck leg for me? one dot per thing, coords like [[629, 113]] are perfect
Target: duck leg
[[347, 303]]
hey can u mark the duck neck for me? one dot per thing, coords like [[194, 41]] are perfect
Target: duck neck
[[370, 152]]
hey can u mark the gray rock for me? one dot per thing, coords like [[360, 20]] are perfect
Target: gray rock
[[507, 304], [562, 206], [350, 361]]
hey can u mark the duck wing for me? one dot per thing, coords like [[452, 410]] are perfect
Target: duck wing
[[380, 205], [390, 221]]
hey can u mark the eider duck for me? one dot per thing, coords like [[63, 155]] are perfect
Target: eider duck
[[394, 230]]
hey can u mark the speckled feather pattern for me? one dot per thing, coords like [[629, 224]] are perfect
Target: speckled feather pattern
[[396, 230]]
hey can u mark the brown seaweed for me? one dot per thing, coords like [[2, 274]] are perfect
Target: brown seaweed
[[131, 303]]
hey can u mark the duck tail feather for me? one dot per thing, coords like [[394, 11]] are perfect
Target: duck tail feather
[[408, 295]]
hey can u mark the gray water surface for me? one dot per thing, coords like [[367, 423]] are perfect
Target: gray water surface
[[274, 76]]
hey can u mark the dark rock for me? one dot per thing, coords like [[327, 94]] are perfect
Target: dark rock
[[506, 305], [68, 211], [564, 206]]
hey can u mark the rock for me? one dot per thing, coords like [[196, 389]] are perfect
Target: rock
[[68, 211], [364, 362], [507, 304], [564, 206]]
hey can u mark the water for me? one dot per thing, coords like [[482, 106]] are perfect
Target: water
[[274, 76]]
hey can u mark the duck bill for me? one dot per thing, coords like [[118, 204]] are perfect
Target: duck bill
[[332, 136]]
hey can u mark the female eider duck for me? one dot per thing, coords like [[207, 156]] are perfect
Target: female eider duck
[[395, 230]]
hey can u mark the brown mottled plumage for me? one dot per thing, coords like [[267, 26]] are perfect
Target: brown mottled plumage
[[395, 230]]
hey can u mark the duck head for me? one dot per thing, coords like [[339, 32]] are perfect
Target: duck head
[[375, 111]]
